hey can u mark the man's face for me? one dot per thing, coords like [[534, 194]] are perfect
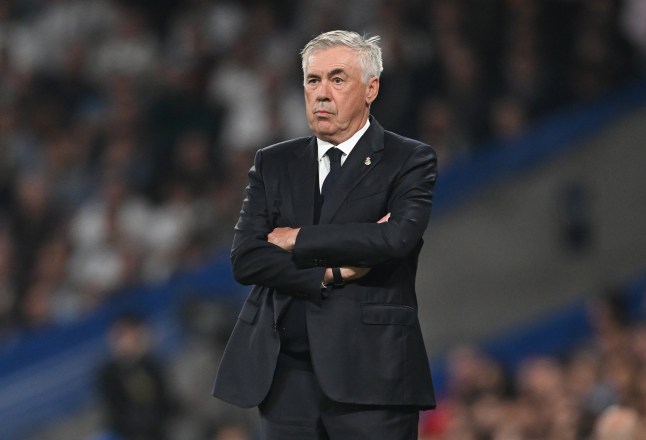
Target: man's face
[[337, 101]]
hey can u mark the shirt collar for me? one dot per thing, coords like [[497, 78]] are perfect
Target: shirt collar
[[345, 146]]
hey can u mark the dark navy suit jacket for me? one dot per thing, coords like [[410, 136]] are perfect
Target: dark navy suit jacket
[[365, 340]]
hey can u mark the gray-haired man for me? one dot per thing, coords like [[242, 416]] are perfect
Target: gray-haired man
[[328, 343]]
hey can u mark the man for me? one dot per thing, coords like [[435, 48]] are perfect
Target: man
[[132, 383], [328, 343]]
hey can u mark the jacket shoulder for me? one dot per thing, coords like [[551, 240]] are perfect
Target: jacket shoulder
[[286, 147]]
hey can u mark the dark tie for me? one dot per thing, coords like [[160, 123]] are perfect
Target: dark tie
[[335, 168]]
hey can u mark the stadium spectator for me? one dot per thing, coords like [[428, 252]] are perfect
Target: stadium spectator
[[133, 384]]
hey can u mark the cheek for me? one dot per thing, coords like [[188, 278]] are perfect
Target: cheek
[[350, 106]]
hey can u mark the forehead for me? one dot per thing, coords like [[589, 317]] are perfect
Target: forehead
[[333, 58]]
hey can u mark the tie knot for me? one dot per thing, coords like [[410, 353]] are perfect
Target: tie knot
[[334, 154]]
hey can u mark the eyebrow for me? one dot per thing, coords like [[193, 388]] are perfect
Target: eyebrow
[[337, 71]]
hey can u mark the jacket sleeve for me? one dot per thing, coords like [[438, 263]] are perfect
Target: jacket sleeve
[[369, 244], [256, 261]]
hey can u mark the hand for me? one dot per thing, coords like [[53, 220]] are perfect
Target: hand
[[349, 273], [384, 219], [284, 237]]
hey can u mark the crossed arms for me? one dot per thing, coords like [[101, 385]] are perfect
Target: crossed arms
[[285, 238], [289, 259]]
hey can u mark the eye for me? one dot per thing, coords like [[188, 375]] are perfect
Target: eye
[[337, 80], [311, 81]]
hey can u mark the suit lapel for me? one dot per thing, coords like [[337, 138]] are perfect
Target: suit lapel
[[362, 159]]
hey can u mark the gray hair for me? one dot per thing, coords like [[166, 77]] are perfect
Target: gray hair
[[366, 47]]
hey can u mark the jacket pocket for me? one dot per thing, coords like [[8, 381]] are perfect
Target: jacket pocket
[[249, 312], [388, 314]]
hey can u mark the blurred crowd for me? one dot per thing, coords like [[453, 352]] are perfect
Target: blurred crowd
[[596, 392], [127, 127]]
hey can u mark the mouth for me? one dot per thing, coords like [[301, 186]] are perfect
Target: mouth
[[323, 113]]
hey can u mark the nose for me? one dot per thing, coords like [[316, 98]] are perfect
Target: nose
[[322, 91]]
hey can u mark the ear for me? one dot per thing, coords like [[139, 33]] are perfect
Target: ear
[[372, 90]]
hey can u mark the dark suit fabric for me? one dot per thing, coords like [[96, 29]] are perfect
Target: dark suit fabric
[[313, 416], [365, 341]]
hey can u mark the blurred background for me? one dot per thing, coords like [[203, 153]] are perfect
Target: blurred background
[[126, 132]]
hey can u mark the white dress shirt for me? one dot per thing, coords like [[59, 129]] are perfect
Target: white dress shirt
[[345, 147]]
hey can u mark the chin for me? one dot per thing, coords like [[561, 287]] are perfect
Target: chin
[[323, 132]]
